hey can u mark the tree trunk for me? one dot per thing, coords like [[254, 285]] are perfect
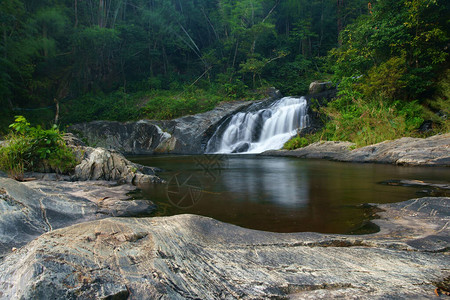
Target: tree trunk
[[57, 110], [340, 24], [76, 13], [5, 44], [44, 35], [321, 29], [100, 13], [234, 58]]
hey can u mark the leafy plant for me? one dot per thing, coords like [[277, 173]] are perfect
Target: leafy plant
[[35, 149], [295, 143]]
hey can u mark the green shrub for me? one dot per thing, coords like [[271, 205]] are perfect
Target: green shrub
[[372, 121], [295, 143], [386, 80], [117, 106], [35, 149], [302, 141], [366, 115], [164, 105], [439, 105]]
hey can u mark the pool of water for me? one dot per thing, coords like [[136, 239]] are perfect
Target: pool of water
[[280, 194]]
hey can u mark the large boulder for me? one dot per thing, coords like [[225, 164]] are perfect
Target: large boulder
[[317, 87], [103, 164], [432, 151], [29, 209], [193, 257], [141, 137]]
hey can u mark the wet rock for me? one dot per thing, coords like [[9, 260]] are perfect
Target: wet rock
[[417, 183], [430, 189], [29, 209], [103, 164], [327, 150], [241, 148], [185, 135], [432, 151], [426, 126], [193, 257], [141, 137]]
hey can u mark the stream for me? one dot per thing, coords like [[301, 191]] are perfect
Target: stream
[[280, 194]]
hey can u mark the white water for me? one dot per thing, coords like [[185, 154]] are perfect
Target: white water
[[257, 131]]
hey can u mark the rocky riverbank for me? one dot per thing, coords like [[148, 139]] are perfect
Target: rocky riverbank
[[47, 201], [193, 257], [30, 209], [185, 135], [432, 151], [63, 240]]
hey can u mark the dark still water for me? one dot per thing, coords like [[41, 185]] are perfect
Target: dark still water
[[280, 194]]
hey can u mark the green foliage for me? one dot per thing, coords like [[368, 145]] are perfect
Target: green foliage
[[34, 149], [439, 105], [300, 141], [389, 59], [407, 36], [162, 59], [295, 143], [65, 50], [371, 120], [163, 105], [288, 75], [386, 80], [117, 106], [231, 87]]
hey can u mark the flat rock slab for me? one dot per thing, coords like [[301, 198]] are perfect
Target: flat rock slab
[[30, 209], [193, 257], [432, 151]]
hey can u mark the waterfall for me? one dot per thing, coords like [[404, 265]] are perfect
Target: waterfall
[[259, 129]]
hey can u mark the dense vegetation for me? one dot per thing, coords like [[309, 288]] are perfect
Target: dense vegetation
[[82, 53], [34, 149], [70, 61], [392, 69]]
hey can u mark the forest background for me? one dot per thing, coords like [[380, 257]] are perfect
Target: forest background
[[70, 61]]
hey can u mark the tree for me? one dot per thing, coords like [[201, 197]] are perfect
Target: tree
[[410, 31]]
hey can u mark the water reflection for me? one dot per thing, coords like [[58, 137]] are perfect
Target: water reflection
[[288, 194], [267, 180]]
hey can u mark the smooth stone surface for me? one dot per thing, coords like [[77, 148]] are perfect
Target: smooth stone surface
[[432, 151], [193, 257], [29, 209]]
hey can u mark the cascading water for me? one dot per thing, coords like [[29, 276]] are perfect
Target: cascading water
[[258, 130]]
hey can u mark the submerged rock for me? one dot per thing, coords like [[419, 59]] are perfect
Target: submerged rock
[[29, 209], [193, 257], [432, 151], [242, 147]]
